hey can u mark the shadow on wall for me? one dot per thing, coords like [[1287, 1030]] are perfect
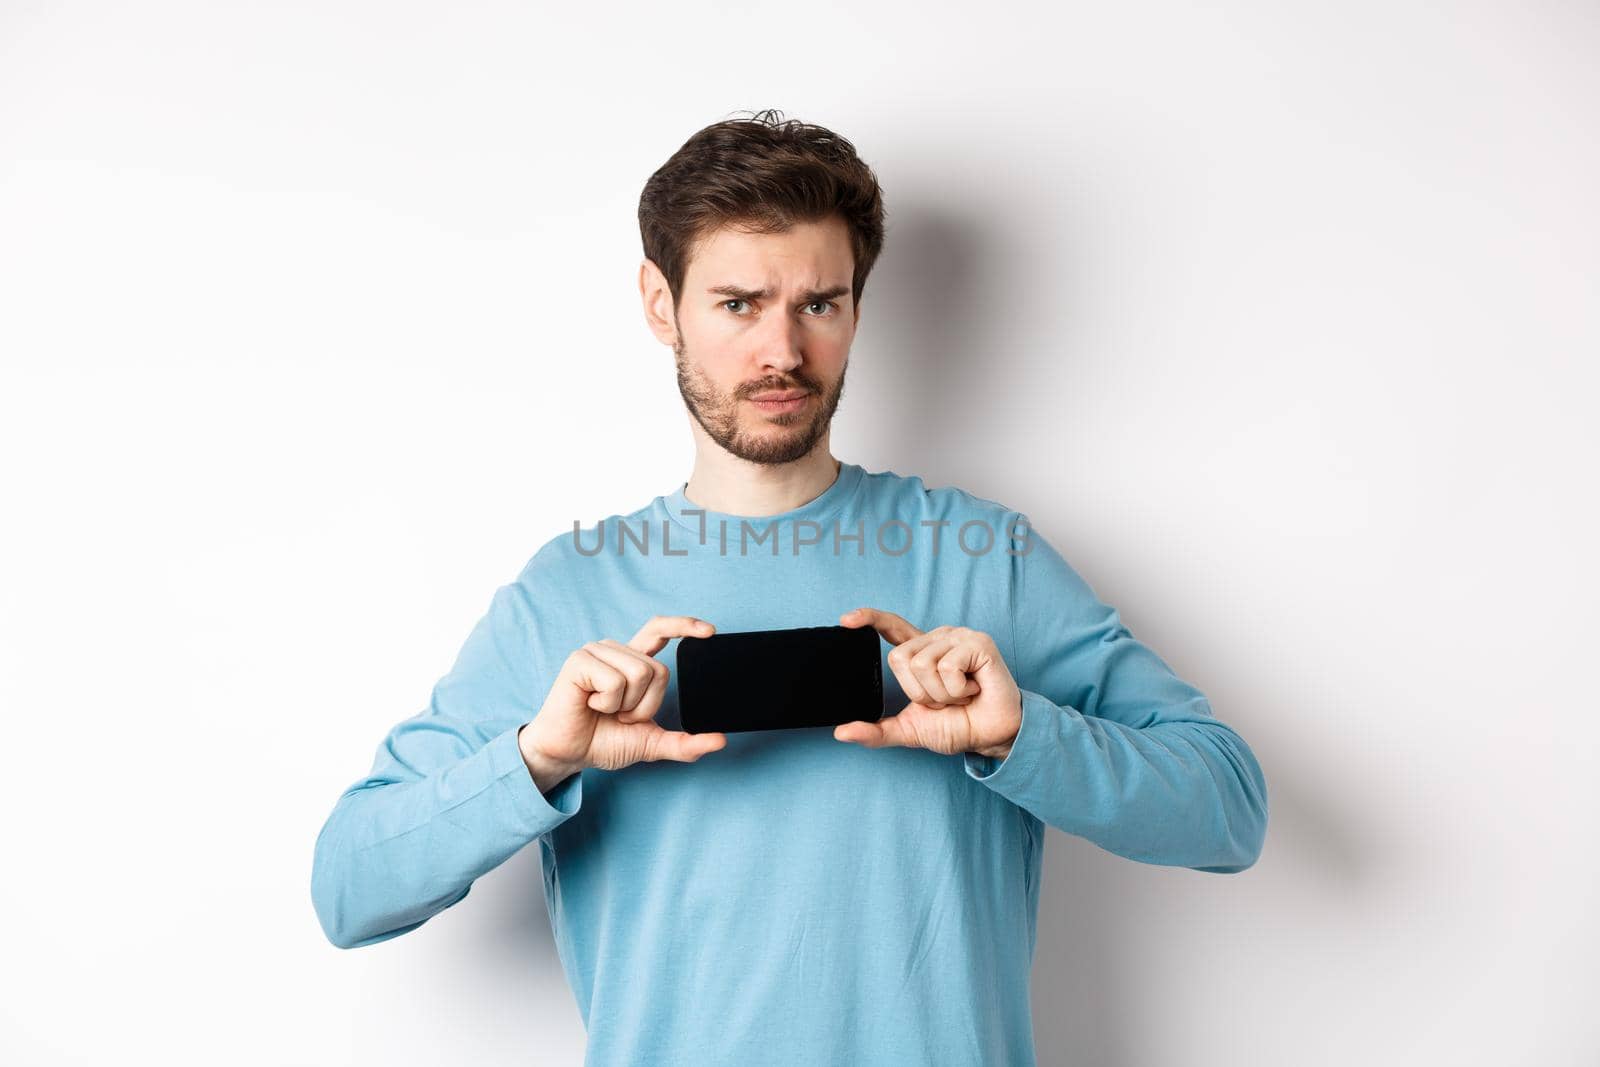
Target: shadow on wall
[[923, 350]]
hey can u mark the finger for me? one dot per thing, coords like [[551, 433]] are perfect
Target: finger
[[916, 726], [954, 668], [961, 687], [654, 694], [655, 689], [924, 666], [975, 655], [899, 660], [654, 635], [603, 683], [638, 670], [894, 629], [885, 733], [684, 747]]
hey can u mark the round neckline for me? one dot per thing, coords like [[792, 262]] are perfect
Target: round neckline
[[821, 506]]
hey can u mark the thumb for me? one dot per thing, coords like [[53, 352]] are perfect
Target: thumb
[[684, 747], [881, 734]]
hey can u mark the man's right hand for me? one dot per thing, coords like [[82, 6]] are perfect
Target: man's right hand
[[601, 710]]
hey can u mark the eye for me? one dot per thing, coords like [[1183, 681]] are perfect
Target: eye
[[826, 304], [735, 300]]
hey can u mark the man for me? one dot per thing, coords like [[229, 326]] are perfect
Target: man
[[861, 895]]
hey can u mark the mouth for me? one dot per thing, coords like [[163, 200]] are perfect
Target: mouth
[[778, 403]]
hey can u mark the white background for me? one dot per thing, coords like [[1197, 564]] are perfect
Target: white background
[[1280, 320]]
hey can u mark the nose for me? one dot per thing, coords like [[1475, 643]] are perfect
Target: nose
[[778, 340]]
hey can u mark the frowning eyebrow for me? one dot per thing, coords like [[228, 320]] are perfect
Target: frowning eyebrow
[[739, 293]]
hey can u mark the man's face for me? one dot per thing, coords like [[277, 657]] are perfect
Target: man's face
[[764, 325]]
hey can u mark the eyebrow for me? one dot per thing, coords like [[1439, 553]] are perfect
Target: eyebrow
[[740, 293]]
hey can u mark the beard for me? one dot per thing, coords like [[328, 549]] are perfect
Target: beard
[[783, 438]]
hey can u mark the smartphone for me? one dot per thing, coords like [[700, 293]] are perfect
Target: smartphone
[[779, 679]]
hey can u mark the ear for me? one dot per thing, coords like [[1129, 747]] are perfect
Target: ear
[[657, 297]]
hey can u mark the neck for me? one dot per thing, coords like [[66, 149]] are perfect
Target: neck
[[726, 483]]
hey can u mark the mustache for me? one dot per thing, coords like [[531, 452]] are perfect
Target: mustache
[[776, 387]]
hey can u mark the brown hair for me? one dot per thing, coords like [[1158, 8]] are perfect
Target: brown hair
[[764, 174]]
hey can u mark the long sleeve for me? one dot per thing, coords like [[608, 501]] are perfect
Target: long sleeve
[[1113, 746], [449, 797]]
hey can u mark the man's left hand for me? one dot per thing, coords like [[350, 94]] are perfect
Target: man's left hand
[[963, 698]]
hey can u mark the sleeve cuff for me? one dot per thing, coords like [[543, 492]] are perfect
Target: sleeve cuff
[[1032, 739], [535, 812]]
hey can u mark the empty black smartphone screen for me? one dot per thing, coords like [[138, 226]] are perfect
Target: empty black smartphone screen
[[779, 679]]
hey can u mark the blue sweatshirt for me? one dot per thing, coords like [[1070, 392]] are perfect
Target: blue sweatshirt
[[793, 898]]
